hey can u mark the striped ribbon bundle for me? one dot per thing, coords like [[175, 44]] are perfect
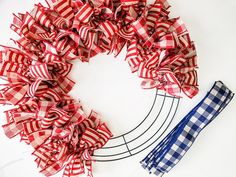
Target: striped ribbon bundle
[[159, 49], [61, 134], [174, 146]]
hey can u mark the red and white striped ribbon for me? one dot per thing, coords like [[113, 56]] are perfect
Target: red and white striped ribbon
[[40, 71], [108, 28], [129, 2], [84, 13], [64, 9]]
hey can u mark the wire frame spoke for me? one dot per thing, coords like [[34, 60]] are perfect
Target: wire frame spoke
[[124, 149]]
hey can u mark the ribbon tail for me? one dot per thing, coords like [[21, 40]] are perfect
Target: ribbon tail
[[33, 87], [74, 168], [89, 168], [15, 94]]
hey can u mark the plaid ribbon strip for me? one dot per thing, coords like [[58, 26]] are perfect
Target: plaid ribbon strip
[[174, 146]]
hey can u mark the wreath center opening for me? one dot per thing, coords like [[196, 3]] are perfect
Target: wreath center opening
[[108, 87]]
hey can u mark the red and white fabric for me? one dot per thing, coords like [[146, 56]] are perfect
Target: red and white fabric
[[84, 13]]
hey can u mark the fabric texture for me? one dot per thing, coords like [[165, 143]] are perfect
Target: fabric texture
[[174, 146]]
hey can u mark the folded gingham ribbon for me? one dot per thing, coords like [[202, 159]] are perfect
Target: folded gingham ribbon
[[174, 146]]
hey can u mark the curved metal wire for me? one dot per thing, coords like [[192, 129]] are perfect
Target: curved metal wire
[[154, 101], [147, 143]]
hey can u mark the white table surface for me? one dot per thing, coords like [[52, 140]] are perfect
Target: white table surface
[[104, 87]]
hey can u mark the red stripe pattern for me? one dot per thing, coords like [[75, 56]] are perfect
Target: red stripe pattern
[[64, 9], [84, 13], [129, 2], [108, 28], [159, 50], [39, 71], [46, 123]]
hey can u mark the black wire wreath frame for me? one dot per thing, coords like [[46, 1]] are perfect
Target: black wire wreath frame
[[150, 141]]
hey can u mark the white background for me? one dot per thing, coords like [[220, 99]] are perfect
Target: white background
[[107, 85]]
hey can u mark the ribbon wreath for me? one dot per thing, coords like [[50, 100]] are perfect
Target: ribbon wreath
[[159, 50]]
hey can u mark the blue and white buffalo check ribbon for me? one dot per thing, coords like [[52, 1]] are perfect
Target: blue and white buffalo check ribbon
[[173, 147]]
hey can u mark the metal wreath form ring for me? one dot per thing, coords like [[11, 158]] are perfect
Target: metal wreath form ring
[[159, 50]]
